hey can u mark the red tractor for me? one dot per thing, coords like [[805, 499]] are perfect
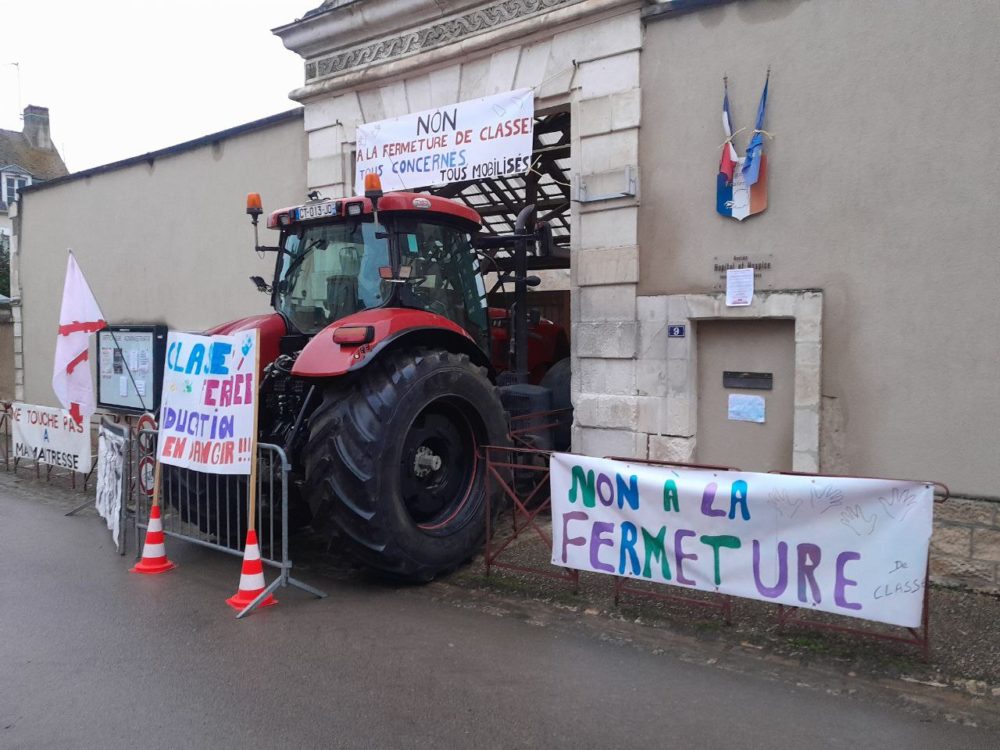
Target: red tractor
[[384, 370]]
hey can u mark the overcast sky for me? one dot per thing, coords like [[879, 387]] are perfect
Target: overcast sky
[[121, 78]]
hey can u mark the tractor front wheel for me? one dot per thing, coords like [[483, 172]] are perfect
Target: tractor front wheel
[[393, 461]]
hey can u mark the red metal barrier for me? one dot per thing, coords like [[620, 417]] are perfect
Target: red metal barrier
[[525, 484]]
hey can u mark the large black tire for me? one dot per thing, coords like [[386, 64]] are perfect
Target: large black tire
[[392, 461]]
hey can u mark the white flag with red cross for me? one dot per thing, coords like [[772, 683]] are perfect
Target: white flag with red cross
[[79, 317]]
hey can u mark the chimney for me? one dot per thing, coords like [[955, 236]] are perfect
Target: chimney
[[36, 126]]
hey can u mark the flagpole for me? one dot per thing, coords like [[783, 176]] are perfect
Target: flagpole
[[252, 495]]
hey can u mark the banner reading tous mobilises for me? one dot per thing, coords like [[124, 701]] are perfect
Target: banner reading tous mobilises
[[855, 547], [481, 138], [209, 401], [51, 436]]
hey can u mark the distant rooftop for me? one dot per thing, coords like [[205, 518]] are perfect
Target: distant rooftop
[[32, 149]]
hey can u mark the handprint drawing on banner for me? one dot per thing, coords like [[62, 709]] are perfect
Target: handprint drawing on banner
[[826, 497], [902, 502], [783, 504], [855, 519]]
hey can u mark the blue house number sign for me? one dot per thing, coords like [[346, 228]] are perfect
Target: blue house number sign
[[676, 331]]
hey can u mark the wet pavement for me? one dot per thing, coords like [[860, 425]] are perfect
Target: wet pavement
[[94, 657]]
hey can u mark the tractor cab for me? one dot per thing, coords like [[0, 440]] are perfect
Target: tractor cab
[[337, 258]]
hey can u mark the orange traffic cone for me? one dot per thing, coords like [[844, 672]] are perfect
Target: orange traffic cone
[[251, 577], [154, 554]]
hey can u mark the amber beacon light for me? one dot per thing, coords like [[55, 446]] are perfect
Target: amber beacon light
[[254, 204], [373, 185]]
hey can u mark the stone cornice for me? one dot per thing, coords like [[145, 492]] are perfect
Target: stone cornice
[[431, 36], [535, 17], [349, 23]]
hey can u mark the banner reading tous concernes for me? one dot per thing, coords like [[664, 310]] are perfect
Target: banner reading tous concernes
[[51, 436], [855, 547], [472, 140], [208, 403]]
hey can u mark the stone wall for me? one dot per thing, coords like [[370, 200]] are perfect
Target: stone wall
[[965, 548], [6, 354]]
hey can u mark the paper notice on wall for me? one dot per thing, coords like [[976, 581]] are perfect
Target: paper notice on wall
[[739, 287], [123, 386], [746, 408], [105, 361], [140, 387], [133, 360], [142, 360]]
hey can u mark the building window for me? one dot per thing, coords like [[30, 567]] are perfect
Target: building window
[[12, 186]]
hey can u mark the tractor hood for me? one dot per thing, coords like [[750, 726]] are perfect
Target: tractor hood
[[324, 357], [271, 326]]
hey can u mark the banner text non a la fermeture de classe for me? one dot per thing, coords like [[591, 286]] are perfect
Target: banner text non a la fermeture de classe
[[855, 547]]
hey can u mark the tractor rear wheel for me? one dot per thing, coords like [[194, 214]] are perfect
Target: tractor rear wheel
[[393, 461]]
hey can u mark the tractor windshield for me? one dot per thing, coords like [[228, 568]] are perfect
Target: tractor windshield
[[330, 271]]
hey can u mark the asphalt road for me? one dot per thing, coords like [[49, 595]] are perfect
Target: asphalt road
[[94, 657]]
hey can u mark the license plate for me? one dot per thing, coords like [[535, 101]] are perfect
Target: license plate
[[317, 211]]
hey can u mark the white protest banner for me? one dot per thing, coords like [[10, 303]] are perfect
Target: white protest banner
[[855, 547], [51, 436], [209, 402], [112, 442], [488, 137]]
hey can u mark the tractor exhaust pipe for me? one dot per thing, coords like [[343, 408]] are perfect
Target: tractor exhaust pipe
[[525, 219]]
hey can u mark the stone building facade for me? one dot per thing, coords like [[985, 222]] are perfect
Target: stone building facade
[[877, 251]]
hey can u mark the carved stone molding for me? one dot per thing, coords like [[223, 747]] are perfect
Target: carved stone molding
[[429, 37]]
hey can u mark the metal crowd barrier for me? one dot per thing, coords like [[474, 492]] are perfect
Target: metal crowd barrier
[[5, 437], [210, 509]]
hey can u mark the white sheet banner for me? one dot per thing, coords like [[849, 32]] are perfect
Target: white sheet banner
[[112, 442], [481, 138], [855, 547], [208, 403], [51, 436]]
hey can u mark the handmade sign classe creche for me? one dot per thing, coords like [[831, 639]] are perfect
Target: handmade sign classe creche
[[855, 547], [209, 401]]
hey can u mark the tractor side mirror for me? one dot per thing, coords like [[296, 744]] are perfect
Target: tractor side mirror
[[262, 286]]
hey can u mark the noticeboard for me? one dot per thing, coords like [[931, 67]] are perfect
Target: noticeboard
[[130, 367]]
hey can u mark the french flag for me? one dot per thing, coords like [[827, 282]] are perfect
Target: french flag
[[755, 151], [728, 161], [741, 184]]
